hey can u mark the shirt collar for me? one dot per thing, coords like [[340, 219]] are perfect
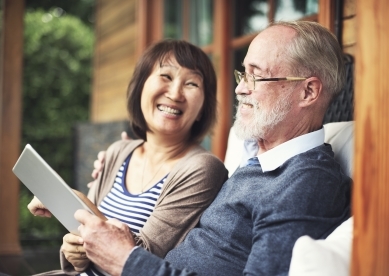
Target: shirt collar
[[272, 159]]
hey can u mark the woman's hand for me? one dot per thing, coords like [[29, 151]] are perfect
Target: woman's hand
[[38, 209], [74, 252]]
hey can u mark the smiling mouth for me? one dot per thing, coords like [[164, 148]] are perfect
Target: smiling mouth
[[246, 105], [169, 110]]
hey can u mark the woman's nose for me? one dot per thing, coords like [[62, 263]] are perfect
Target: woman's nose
[[175, 92]]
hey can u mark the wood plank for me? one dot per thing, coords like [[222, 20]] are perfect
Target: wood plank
[[349, 50], [129, 18], [115, 110], [116, 12], [371, 175], [349, 36], [222, 62], [120, 38], [111, 69], [326, 15], [120, 76], [349, 8], [10, 123]]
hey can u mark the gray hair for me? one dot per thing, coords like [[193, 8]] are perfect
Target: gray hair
[[315, 51]]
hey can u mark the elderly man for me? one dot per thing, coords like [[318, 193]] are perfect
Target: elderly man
[[293, 187]]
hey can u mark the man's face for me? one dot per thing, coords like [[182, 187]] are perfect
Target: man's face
[[261, 110]]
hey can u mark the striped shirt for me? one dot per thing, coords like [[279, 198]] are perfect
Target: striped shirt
[[132, 209]]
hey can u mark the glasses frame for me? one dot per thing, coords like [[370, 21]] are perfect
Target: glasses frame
[[243, 75]]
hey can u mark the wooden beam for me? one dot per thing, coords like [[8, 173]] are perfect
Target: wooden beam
[[371, 174], [150, 22], [326, 15], [10, 123], [222, 61]]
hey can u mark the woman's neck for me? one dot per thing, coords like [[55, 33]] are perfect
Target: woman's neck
[[159, 149]]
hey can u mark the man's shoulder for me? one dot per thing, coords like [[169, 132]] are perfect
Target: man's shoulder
[[321, 155]]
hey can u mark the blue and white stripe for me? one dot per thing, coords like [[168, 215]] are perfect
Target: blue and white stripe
[[134, 210]]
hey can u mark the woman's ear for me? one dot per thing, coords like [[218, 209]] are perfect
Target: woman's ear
[[312, 91]]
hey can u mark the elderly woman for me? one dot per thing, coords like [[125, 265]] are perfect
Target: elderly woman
[[160, 184]]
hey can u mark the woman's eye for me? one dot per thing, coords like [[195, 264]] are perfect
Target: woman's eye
[[193, 84], [165, 76]]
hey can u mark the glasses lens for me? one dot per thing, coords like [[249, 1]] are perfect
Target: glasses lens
[[238, 76], [248, 79], [250, 83]]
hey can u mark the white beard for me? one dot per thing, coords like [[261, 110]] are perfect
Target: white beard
[[262, 120]]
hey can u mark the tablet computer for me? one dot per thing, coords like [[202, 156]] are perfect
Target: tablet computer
[[51, 189]]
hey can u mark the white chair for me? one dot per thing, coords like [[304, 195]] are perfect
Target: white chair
[[315, 257]]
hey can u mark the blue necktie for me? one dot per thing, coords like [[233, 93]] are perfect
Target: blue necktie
[[252, 161]]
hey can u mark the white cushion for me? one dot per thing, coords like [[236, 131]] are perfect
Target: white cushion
[[332, 255], [324, 257], [341, 137], [234, 152]]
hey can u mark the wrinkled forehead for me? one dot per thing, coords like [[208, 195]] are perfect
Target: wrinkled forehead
[[269, 49]]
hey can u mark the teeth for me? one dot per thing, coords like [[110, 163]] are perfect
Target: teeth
[[168, 109], [247, 105]]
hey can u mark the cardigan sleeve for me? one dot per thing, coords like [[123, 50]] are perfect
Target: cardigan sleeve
[[189, 192]]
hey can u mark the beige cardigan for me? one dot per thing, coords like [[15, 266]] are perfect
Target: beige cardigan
[[189, 189]]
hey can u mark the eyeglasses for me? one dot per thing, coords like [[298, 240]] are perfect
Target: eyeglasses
[[250, 80]]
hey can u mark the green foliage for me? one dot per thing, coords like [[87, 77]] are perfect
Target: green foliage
[[56, 87], [83, 9]]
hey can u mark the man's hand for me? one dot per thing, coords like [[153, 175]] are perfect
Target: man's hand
[[98, 164], [107, 243], [74, 252], [38, 209]]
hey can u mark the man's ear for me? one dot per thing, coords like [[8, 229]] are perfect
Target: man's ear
[[312, 90]]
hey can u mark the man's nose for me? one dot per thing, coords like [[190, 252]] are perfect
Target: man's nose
[[241, 88]]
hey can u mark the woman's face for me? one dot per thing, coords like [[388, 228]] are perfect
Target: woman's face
[[172, 99]]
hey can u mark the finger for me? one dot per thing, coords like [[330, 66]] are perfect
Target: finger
[[97, 165], [83, 216], [101, 156], [95, 173], [35, 204], [90, 184], [115, 222], [37, 208], [72, 239], [42, 213]]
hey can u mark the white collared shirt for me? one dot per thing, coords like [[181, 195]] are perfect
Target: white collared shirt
[[275, 157]]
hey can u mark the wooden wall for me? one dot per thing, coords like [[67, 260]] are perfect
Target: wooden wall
[[371, 162], [114, 58], [123, 29], [349, 38]]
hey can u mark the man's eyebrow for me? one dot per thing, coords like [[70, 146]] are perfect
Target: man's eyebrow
[[253, 65]]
